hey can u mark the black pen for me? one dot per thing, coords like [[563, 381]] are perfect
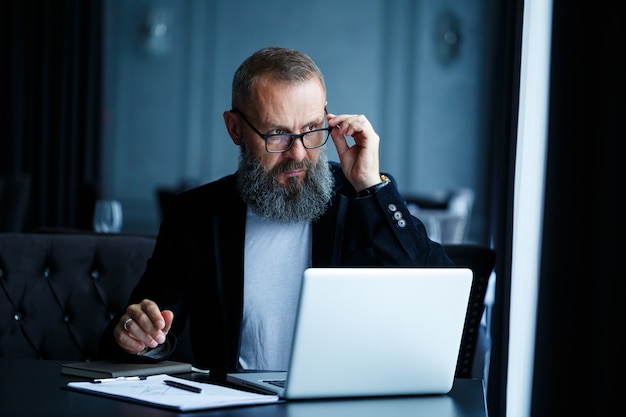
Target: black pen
[[182, 386]]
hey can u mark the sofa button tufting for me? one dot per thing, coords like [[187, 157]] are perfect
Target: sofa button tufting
[[66, 318], [110, 315], [95, 274], [46, 272], [17, 316]]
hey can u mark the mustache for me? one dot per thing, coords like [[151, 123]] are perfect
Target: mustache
[[291, 166]]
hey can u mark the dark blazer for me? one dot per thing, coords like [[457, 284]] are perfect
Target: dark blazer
[[196, 269]]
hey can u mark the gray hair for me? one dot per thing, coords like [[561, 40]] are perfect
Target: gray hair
[[281, 64]]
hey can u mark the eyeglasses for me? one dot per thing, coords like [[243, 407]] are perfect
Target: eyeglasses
[[282, 142]]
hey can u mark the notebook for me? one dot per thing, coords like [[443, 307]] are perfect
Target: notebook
[[114, 369], [372, 332]]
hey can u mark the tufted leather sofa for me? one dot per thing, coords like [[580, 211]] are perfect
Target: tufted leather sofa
[[58, 291]]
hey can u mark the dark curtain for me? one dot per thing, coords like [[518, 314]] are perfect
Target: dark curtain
[[580, 311], [503, 132], [51, 70], [579, 353]]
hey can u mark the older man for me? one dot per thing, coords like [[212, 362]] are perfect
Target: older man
[[230, 254]]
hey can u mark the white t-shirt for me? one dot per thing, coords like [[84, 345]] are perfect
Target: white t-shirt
[[275, 257]]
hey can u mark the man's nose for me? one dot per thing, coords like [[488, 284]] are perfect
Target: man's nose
[[297, 152]]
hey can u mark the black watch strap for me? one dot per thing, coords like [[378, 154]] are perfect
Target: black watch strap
[[371, 190]]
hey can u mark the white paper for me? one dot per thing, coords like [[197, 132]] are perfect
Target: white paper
[[153, 390]]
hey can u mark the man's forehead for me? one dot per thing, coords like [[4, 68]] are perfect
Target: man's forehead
[[274, 100]]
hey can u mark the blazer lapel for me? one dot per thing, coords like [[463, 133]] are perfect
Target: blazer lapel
[[328, 231]]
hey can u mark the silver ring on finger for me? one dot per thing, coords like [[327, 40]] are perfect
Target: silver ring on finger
[[126, 323]]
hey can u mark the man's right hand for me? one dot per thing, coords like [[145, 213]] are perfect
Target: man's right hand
[[142, 326]]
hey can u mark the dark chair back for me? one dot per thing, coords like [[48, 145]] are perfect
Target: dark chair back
[[481, 260]]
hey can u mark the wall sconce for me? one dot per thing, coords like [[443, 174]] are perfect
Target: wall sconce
[[447, 37], [157, 32]]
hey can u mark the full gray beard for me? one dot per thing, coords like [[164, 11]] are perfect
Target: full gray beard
[[293, 203]]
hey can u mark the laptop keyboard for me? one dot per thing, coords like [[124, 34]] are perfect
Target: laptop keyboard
[[277, 382]]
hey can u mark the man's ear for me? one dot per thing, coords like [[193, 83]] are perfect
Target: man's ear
[[233, 127]]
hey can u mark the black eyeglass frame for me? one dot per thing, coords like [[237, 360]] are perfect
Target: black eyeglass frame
[[292, 136]]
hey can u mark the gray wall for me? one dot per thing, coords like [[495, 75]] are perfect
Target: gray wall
[[163, 100]]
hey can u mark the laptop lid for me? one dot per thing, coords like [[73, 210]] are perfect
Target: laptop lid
[[373, 332]]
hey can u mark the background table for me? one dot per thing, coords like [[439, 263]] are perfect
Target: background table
[[35, 388]]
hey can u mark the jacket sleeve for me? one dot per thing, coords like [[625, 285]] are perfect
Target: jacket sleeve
[[163, 281], [380, 231]]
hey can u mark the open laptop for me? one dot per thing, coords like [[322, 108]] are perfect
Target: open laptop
[[372, 332]]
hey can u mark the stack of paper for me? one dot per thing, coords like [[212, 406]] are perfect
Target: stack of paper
[[154, 391]]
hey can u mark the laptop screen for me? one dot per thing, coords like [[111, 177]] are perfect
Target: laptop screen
[[377, 331]]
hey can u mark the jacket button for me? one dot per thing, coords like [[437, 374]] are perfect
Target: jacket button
[[392, 207], [401, 223]]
